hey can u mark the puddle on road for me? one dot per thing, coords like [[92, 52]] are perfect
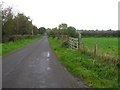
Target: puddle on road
[[45, 54], [48, 68], [48, 54]]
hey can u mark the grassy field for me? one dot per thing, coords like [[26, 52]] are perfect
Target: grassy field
[[94, 74], [10, 47], [105, 45]]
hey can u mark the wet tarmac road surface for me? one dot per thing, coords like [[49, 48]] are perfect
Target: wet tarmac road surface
[[36, 66]]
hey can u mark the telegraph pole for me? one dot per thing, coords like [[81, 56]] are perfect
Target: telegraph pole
[[32, 29]]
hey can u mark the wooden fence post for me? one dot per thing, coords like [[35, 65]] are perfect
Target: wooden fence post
[[95, 49], [79, 40]]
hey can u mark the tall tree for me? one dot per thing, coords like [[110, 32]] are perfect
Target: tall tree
[[35, 30], [6, 13], [71, 31], [63, 26], [42, 30], [23, 26], [7, 23]]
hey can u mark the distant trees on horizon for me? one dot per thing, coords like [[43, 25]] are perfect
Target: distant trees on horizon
[[17, 26], [62, 30], [100, 33]]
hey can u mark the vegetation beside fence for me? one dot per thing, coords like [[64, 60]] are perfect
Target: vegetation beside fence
[[10, 47], [93, 72]]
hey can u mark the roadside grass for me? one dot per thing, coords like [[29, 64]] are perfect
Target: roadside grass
[[0, 49], [10, 47], [94, 74]]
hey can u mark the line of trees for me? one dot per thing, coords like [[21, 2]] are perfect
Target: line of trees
[[71, 31], [62, 30], [100, 33], [18, 26]]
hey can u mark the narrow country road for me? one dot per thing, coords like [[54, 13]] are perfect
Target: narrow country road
[[36, 66]]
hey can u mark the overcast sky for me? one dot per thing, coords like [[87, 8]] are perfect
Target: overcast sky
[[82, 14]]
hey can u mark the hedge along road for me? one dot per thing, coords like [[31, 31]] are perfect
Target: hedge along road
[[36, 66]]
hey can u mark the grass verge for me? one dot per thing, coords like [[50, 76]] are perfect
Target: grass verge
[[0, 49], [94, 74], [8, 48]]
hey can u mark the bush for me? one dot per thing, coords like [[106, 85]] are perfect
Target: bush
[[65, 44], [15, 37], [12, 38]]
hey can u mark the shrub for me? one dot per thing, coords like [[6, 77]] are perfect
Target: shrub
[[65, 44], [12, 38], [15, 37]]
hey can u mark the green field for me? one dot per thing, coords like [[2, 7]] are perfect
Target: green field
[[10, 47], [95, 74], [104, 45]]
